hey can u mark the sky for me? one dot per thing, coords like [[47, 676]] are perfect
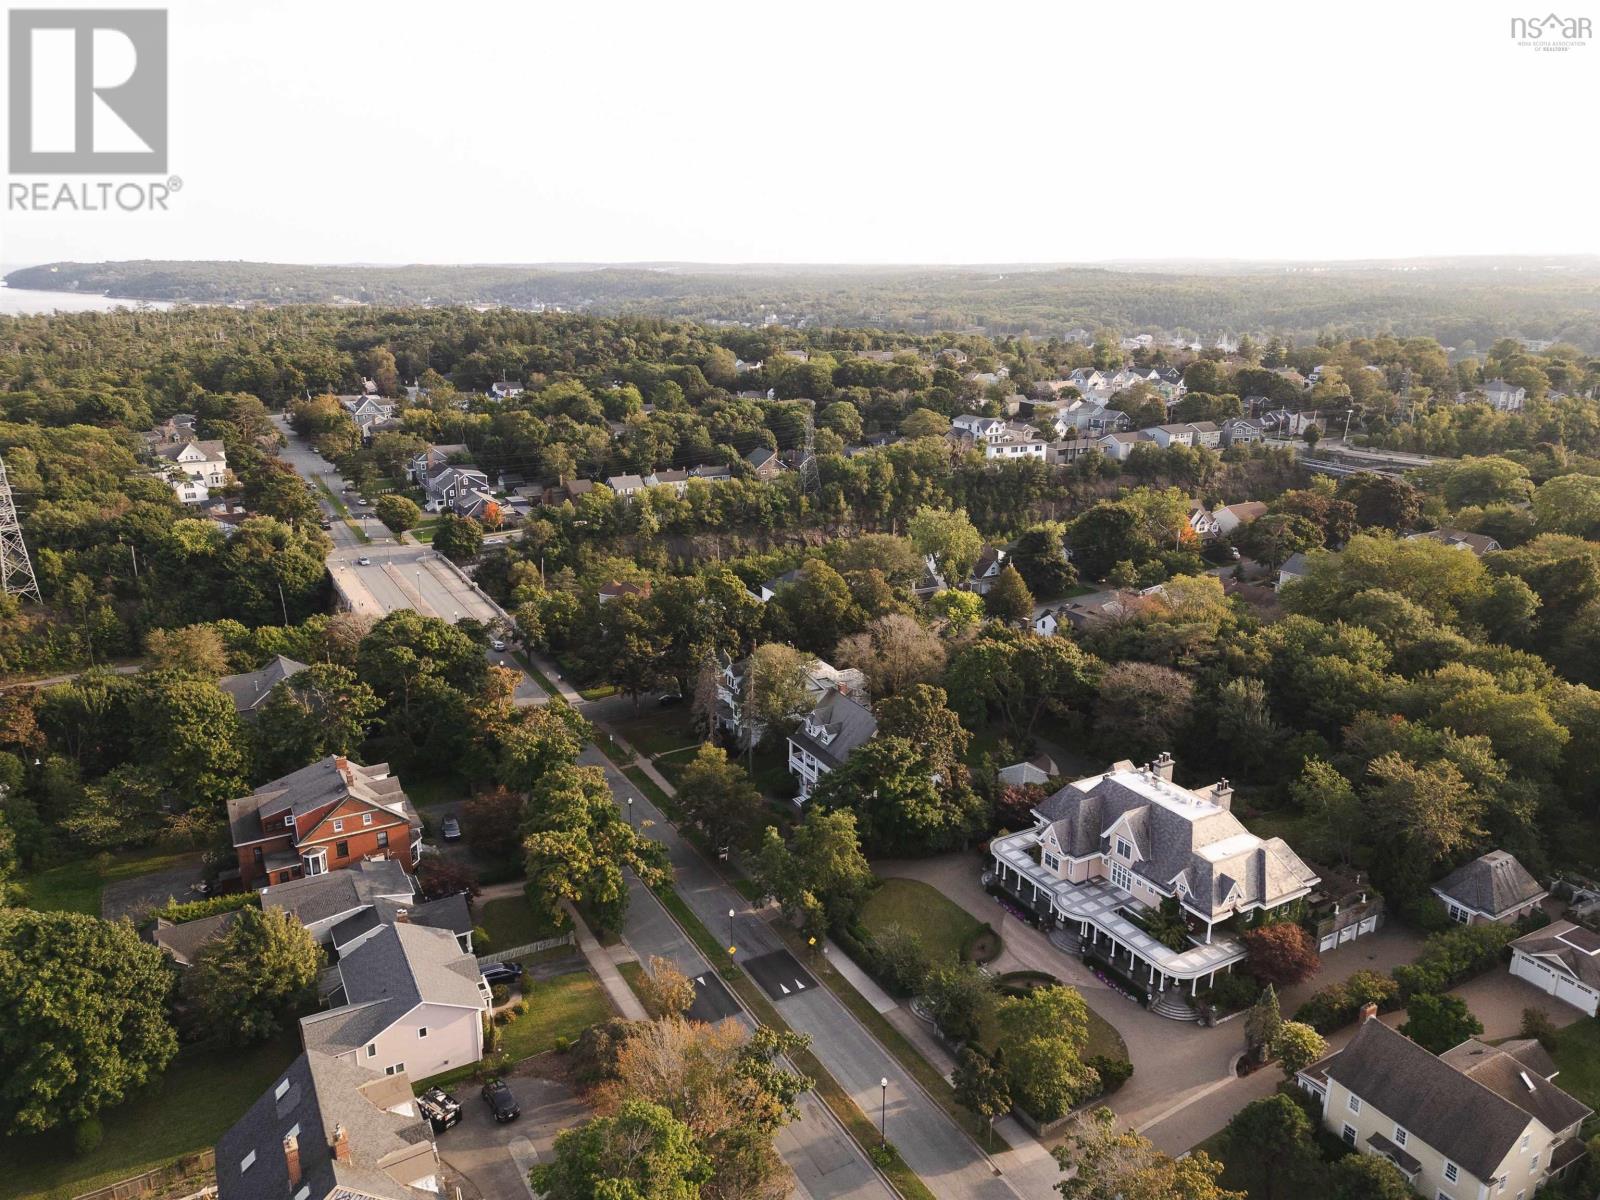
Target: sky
[[859, 132]]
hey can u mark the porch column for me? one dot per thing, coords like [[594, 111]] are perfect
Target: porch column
[[1208, 933], [1194, 986], [1211, 979]]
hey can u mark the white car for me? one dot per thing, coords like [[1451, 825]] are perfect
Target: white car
[[363, 561], [497, 644]]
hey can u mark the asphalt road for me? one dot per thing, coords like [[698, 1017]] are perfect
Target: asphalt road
[[826, 1162], [939, 1151]]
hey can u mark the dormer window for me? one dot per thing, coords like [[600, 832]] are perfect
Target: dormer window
[[1124, 850]]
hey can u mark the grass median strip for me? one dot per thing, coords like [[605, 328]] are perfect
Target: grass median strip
[[860, 1126]]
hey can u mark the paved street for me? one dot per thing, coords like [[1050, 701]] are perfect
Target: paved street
[[939, 1151], [826, 1161], [312, 467]]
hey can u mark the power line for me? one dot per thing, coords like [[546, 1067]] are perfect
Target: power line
[[16, 568]]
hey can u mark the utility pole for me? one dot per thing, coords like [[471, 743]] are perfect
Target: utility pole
[[16, 568]]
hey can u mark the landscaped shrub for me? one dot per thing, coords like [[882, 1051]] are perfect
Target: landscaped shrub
[[86, 1136], [1232, 991], [480, 938], [499, 993], [1450, 957], [1340, 1003], [194, 910], [1113, 1072], [902, 962], [1536, 1023]]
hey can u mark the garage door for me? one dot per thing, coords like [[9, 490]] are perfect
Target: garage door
[[1575, 994], [1328, 942], [1368, 925], [1347, 934]]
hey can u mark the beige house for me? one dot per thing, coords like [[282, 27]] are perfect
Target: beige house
[[1477, 1121], [1110, 848]]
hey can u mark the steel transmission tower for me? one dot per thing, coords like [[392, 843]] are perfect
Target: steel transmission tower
[[16, 568]]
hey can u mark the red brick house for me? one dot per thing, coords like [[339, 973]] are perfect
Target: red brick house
[[332, 814]]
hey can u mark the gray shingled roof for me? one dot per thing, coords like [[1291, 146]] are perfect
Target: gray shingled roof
[[1519, 1078], [849, 723], [253, 687], [320, 1093], [1575, 948], [1176, 832], [184, 940], [1464, 1116], [1494, 884], [318, 897]]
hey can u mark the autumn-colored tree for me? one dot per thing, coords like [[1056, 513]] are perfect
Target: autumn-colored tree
[[1281, 954]]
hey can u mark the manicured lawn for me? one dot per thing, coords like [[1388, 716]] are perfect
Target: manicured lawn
[[76, 887], [205, 1090], [511, 921], [662, 731], [1577, 1053], [562, 1007], [425, 792], [634, 973], [943, 927]]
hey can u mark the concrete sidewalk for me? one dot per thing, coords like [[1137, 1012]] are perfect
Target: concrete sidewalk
[[605, 970]]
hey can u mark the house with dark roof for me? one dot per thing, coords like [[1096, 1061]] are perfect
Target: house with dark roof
[[320, 902], [1106, 849], [827, 736], [733, 694], [193, 467], [1476, 1121], [1494, 887], [251, 689], [1562, 959], [327, 1129], [616, 589], [987, 569], [1478, 543], [327, 816], [764, 463], [182, 941], [405, 998]]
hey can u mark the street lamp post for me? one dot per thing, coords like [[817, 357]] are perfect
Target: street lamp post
[[730, 926], [883, 1113], [630, 811]]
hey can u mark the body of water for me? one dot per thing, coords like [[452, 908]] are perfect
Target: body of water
[[20, 302]]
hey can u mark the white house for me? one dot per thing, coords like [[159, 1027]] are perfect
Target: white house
[[987, 569], [1493, 888], [1120, 445], [1478, 1121], [1017, 442], [733, 693], [1500, 395], [504, 390], [979, 428], [1130, 839], [409, 1000], [1231, 517], [826, 738], [193, 468], [1562, 959]]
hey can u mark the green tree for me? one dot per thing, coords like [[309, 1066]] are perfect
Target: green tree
[[322, 710], [819, 875], [959, 996], [189, 734], [194, 649], [1041, 559], [1296, 1046], [963, 610], [1272, 1150], [578, 845], [1041, 1038], [904, 804], [1272, 539], [460, 539], [641, 1153], [719, 797], [1436, 1023], [1262, 1022], [981, 1087], [1143, 708], [1008, 599], [948, 535], [1367, 1177], [398, 512], [248, 983], [1109, 533], [819, 606], [86, 1023], [1338, 820]]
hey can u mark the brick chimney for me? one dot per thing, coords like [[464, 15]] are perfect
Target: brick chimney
[[1222, 793], [341, 1144], [291, 1158], [341, 763], [1368, 1011]]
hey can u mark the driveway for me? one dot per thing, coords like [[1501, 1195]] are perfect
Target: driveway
[[135, 898], [1173, 1061], [486, 1154]]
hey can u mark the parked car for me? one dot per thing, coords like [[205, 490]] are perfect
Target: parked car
[[501, 1102], [441, 1109], [325, 524], [363, 561], [497, 643], [495, 974], [450, 829], [668, 699]]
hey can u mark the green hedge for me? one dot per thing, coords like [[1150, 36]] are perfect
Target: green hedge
[[195, 910]]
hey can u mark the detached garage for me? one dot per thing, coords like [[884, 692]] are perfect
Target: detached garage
[[1562, 959]]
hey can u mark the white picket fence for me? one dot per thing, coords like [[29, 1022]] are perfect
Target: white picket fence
[[565, 939]]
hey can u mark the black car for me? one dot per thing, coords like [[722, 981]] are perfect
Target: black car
[[501, 1102], [668, 699], [440, 1108], [504, 972]]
